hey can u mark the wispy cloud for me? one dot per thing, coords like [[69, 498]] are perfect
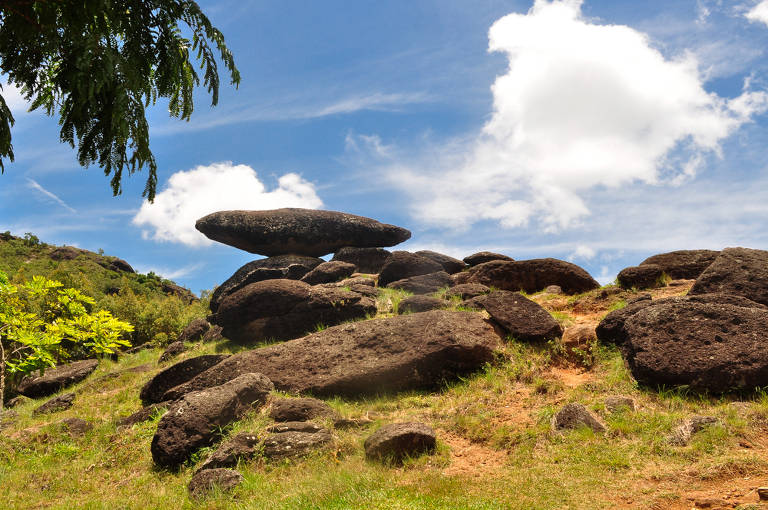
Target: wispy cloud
[[170, 273], [36, 186], [295, 110]]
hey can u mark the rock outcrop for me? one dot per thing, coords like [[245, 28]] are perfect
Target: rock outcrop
[[56, 379], [482, 257], [403, 264], [420, 350], [518, 316], [450, 264], [152, 392], [737, 271], [683, 264], [647, 276], [532, 275]]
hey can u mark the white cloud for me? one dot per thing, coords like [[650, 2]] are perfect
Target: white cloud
[[581, 106], [169, 273], [192, 194], [13, 98], [36, 186], [759, 12], [582, 252]]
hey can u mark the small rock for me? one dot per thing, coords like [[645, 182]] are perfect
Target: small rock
[[553, 289], [467, 290], [574, 415], [295, 443], [56, 379], [241, 446], [402, 264], [397, 441], [366, 260], [647, 276], [422, 284], [329, 272], [204, 482], [415, 304], [143, 414], [521, 318], [172, 351], [615, 404], [56, 404], [152, 392], [194, 331], [762, 492], [213, 334], [299, 409], [76, 426], [17, 401], [450, 264], [578, 341], [682, 434]]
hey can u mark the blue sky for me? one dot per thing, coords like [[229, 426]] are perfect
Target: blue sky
[[599, 132]]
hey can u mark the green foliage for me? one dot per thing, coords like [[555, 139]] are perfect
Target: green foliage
[[99, 64], [42, 323]]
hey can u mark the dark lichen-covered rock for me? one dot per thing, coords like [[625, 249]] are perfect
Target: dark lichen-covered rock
[[520, 317], [737, 271], [298, 231], [329, 272], [242, 446], [532, 275], [416, 304], [646, 276], [56, 379], [450, 264], [58, 403], [300, 409], [397, 441], [204, 482], [683, 264], [366, 260], [403, 264], [573, 416], [482, 257], [152, 392], [422, 284]]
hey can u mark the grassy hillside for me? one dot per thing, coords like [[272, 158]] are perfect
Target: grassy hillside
[[158, 308], [496, 448]]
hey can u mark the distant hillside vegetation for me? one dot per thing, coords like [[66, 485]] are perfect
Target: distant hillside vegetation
[[158, 308]]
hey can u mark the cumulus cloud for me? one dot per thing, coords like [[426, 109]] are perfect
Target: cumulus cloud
[[221, 186], [581, 106], [759, 12]]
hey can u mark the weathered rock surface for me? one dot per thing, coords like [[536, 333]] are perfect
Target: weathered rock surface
[[397, 441], [366, 260], [206, 481], [423, 284], [615, 404], [170, 352], [192, 421], [295, 441], [76, 426], [575, 415], [403, 264], [171, 289], [58, 403], [683, 434], [285, 309], [56, 379], [270, 268], [482, 257], [240, 446], [329, 272], [468, 290], [300, 409], [116, 264], [520, 317], [683, 264], [152, 392], [368, 357], [450, 264], [738, 271], [299, 231], [532, 275], [194, 331], [708, 346], [65, 253], [416, 304], [578, 341], [647, 276]]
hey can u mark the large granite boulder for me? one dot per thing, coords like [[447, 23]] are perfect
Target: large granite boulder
[[368, 357], [403, 264], [683, 264], [194, 420], [482, 257], [520, 317], [739, 271], [298, 231], [397, 441], [708, 346], [532, 275], [366, 260], [450, 264], [56, 379], [152, 392], [329, 272], [422, 284], [284, 309], [292, 267]]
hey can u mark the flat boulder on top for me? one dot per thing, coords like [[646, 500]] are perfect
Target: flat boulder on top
[[532, 275], [400, 353], [422, 284], [397, 441], [683, 264], [194, 420], [707, 346], [520, 317], [56, 379], [366, 260], [450, 264], [298, 231], [329, 272], [292, 267], [285, 309], [482, 257], [739, 271], [152, 392], [403, 264]]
